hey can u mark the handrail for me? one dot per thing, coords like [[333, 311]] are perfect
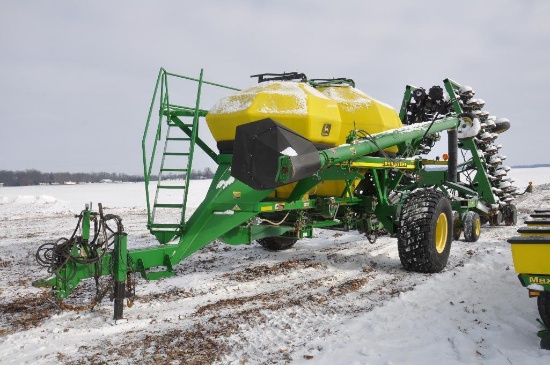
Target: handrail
[[193, 136], [146, 170], [204, 82]]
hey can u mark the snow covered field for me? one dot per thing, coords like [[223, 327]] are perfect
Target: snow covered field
[[333, 299]]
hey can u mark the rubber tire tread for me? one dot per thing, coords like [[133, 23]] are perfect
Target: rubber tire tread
[[495, 220], [510, 215], [543, 304], [277, 243], [416, 231], [457, 226], [484, 219], [470, 226]]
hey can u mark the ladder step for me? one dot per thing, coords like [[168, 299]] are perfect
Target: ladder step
[[174, 170], [176, 153], [182, 111], [168, 206], [165, 225], [190, 125], [202, 112], [178, 139], [171, 187]]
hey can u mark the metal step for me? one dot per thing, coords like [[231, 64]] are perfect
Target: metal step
[[176, 153], [189, 125], [183, 111], [173, 170], [165, 225], [161, 205], [172, 187], [178, 139]]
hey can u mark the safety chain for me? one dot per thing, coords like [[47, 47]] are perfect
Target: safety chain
[[373, 235], [130, 283]]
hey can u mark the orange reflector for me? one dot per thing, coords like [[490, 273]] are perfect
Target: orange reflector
[[533, 293], [445, 156]]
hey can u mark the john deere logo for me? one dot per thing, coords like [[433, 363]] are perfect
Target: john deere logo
[[326, 130]]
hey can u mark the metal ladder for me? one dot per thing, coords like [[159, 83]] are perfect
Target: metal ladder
[[166, 214], [167, 217], [165, 203]]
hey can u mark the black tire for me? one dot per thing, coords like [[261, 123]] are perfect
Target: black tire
[[457, 226], [472, 226], [543, 303], [496, 219], [484, 219], [279, 243], [545, 342], [425, 231], [510, 215]]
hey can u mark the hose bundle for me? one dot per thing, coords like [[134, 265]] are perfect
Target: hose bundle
[[57, 255]]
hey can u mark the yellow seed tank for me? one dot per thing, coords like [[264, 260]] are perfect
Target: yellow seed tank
[[324, 115]]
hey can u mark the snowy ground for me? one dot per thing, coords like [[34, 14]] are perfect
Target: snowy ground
[[334, 299]]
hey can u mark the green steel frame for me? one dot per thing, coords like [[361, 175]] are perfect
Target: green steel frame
[[230, 209]]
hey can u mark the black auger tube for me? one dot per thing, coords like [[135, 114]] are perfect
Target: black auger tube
[[452, 136]]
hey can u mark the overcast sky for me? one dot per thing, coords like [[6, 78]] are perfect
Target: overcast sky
[[76, 77]]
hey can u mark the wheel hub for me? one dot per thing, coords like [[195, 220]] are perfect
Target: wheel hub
[[441, 233]]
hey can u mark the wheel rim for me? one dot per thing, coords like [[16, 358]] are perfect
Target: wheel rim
[[478, 227], [441, 233]]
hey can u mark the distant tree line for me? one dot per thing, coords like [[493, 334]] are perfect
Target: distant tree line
[[35, 177], [531, 166]]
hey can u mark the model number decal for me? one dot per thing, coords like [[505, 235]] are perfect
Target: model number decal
[[394, 164], [537, 280], [326, 129]]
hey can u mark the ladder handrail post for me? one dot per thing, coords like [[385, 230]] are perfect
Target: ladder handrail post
[[146, 170], [194, 134]]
